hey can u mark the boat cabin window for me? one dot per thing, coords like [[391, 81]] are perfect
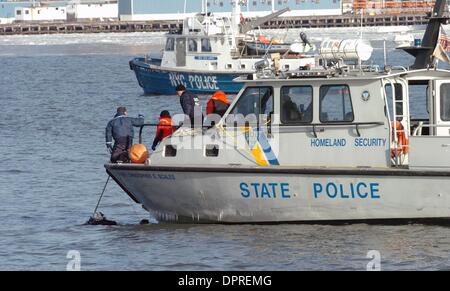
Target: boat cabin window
[[206, 45], [192, 44], [418, 91], [398, 90], [170, 45], [445, 102], [296, 104], [254, 103], [336, 104], [170, 151], [212, 150]]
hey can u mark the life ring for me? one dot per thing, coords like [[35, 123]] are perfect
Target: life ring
[[403, 142]]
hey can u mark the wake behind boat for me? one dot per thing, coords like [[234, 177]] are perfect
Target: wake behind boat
[[335, 144], [208, 54]]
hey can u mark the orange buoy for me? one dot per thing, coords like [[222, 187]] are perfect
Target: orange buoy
[[138, 154]]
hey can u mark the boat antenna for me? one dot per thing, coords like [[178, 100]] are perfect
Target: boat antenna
[[362, 22]]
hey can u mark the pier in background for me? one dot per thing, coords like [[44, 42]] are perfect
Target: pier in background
[[349, 20]]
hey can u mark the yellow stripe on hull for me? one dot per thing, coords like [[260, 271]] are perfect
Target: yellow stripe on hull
[[259, 156]]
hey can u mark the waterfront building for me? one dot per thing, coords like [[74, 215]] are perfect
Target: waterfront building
[[83, 10], [12, 10], [141, 10], [41, 13], [8, 8]]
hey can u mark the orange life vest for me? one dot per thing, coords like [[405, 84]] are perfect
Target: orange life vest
[[165, 125], [217, 104]]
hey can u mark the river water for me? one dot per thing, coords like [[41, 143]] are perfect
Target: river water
[[57, 94]]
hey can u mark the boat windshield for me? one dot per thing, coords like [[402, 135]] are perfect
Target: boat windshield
[[445, 102], [206, 45], [255, 104], [296, 104], [192, 45], [335, 104], [170, 45]]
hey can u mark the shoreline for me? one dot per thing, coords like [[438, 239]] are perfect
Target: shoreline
[[346, 20]]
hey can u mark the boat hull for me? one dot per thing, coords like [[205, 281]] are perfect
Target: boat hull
[[155, 80], [266, 195]]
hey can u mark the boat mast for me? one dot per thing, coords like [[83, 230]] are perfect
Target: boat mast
[[424, 54], [236, 16], [205, 6]]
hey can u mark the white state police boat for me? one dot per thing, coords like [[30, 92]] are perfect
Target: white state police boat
[[209, 53], [324, 146]]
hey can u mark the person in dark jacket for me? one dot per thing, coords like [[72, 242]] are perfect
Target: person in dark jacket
[[120, 128], [190, 104]]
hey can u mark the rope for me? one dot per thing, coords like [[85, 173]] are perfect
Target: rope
[[103, 192]]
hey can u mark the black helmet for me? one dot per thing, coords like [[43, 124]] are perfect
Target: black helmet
[[164, 113], [121, 110], [180, 88]]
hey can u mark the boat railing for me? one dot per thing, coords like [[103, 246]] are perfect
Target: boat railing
[[389, 68], [320, 127], [141, 128], [317, 127], [418, 130]]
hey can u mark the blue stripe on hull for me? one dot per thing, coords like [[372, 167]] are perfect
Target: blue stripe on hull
[[155, 81]]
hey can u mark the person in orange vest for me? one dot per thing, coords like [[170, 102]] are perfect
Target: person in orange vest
[[218, 104], [165, 128]]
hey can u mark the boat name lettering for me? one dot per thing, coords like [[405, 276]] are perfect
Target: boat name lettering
[[265, 190], [206, 58], [360, 190], [195, 81], [177, 79], [370, 142], [342, 142], [328, 142], [152, 176], [203, 82]]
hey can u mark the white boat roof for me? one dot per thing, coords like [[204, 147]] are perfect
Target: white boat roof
[[420, 74]]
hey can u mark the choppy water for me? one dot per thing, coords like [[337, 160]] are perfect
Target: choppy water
[[57, 93]]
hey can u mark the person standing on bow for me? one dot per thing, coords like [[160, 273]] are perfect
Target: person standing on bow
[[191, 105], [218, 104], [120, 128], [165, 128]]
